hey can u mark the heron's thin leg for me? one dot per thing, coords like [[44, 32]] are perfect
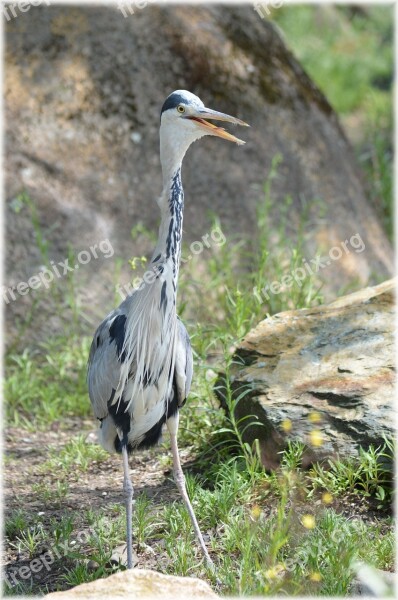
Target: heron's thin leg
[[172, 425], [129, 491]]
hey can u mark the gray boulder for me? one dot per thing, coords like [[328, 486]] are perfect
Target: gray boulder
[[324, 376], [83, 90]]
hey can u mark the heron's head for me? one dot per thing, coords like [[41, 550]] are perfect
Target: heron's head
[[184, 119]]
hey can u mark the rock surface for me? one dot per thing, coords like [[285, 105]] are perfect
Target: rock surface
[[83, 90], [138, 583], [324, 375], [373, 583]]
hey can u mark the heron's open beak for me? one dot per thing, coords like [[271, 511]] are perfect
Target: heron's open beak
[[200, 115]]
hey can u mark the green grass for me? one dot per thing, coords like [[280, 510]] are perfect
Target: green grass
[[48, 493], [348, 52], [47, 384], [269, 533], [283, 532], [75, 455], [15, 524], [368, 475], [29, 540], [266, 536], [349, 56]]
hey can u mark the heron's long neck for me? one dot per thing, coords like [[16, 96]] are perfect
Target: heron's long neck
[[168, 248]]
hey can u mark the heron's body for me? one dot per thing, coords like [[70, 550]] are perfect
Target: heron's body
[[141, 358], [140, 364]]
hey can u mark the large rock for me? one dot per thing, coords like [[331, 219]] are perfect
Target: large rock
[[324, 375], [83, 90], [138, 583]]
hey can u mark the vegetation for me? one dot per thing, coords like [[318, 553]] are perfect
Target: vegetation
[[282, 532], [348, 52]]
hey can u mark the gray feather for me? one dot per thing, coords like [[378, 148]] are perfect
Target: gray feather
[[184, 363], [103, 366]]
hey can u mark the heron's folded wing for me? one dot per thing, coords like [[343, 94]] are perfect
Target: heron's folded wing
[[104, 363], [183, 363]]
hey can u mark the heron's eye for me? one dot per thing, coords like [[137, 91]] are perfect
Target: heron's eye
[[180, 108]]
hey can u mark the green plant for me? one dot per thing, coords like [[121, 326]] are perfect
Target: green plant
[[81, 574], [144, 521], [349, 55], [29, 540], [292, 456], [47, 383], [368, 475], [76, 454], [62, 529], [235, 428], [21, 589], [15, 524], [51, 493], [19, 203]]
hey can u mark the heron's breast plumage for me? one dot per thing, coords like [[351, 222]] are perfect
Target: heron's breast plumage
[[137, 344]]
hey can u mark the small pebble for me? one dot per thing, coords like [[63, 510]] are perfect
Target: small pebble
[[92, 565], [210, 374], [147, 549], [92, 438], [136, 137]]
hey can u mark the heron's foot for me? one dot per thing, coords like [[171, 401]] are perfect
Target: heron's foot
[[212, 568], [179, 478]]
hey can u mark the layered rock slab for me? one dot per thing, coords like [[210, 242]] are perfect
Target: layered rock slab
[[324, 375]]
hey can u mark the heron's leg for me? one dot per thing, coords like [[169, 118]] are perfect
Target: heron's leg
[[172, 426], [129, 491]]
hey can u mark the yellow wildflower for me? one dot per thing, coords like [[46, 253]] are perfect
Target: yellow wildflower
[[314, 417], [287, 425], [273, 572], [308, 521], [327, 498], [256, 512], [316, 438]]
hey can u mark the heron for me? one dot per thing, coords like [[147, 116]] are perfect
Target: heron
[[140, 364]]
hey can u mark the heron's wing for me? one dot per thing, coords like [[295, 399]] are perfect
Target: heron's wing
[[104, 363], [183, 364]]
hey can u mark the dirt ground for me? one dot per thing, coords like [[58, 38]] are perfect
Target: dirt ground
[[98, 487]]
